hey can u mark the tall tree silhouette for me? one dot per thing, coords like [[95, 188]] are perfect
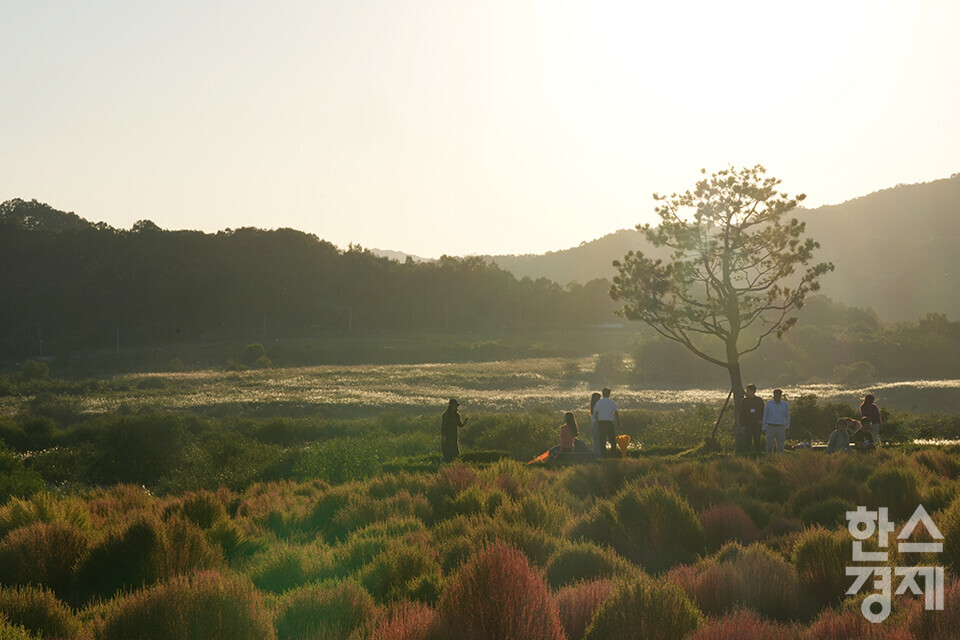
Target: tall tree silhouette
[[736, 272]]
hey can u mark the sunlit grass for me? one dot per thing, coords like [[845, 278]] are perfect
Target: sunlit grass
[[513, 385]]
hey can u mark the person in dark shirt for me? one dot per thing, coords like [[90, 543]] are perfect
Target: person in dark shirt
[[871, 412], [751, 416], [450, 431]]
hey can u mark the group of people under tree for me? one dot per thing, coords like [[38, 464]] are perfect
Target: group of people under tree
[[763, 426], [770, 421]]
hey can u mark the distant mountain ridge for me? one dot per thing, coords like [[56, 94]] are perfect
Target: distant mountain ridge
[[895, 250]]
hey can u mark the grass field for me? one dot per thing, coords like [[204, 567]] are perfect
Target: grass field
[[353, 391], [312, 503]]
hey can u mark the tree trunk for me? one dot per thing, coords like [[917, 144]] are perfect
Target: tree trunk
[[736, 383]]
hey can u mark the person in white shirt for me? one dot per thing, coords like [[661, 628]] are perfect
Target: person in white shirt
[[608, 419], [776, 421]]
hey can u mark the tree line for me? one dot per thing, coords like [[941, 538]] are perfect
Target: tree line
[[69, 283]]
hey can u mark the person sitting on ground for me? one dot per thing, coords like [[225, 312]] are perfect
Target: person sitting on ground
[[840, 436], [568, 432], [862, 437]]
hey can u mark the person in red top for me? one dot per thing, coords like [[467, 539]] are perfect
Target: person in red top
[[568, 431], [871, 412]]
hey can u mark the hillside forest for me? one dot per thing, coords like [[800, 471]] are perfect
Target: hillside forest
[[89, 297]]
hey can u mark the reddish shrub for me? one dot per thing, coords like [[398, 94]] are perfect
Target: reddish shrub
[[728, 523], [644, 609], [933, 625], [744, 624], [185, 549], [497, 596], [205, 605], [578, 602], [850, 623], [42, 554], [751, 577], [451, 479], [405, 621]]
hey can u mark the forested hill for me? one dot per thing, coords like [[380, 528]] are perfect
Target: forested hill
[[895, 251], [76, 284]]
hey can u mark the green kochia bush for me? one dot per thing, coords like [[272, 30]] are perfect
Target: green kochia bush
[[205, 605], [324, 611], [585, 561], [895, 488], [38, 611], [820, 558], [642, 608], [652, 527]]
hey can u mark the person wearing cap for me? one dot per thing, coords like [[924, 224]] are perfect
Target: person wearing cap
[[776, 421], [449, 431]]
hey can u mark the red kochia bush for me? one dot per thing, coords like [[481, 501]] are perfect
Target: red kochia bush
[[850, 623], [578, 602], [728, 523], [497, 596], [745, 624], [405, 620]]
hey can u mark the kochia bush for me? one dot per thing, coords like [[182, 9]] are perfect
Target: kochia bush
[[497, 596]]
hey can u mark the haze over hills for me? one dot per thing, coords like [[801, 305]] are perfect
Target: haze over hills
[[895, 251]]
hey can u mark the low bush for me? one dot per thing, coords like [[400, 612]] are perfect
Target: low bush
[[661, 528], [124, 560], [578, 602], [324, 611], [581, 561], [727, 523], [949, 525], [38, 611], [738, 577], [205, 605], [405, 570], [404, 620], [895, 488], [827, 513], [820, 558], [284, 566], [848, 623], [931, 624], [744, 624], [42, 554], [498, 596], [646, 609]]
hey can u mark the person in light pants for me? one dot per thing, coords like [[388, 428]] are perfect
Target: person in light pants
[[776, 421]]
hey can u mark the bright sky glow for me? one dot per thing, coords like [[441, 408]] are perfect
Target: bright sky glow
[[431, 126]]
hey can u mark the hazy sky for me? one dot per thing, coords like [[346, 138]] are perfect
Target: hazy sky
[[458, 127]]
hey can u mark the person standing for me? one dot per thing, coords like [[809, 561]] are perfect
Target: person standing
[[776, 421], [568, 432], [871, 412], [598, 443], [608, 420], [450, 431], [751, 417]]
